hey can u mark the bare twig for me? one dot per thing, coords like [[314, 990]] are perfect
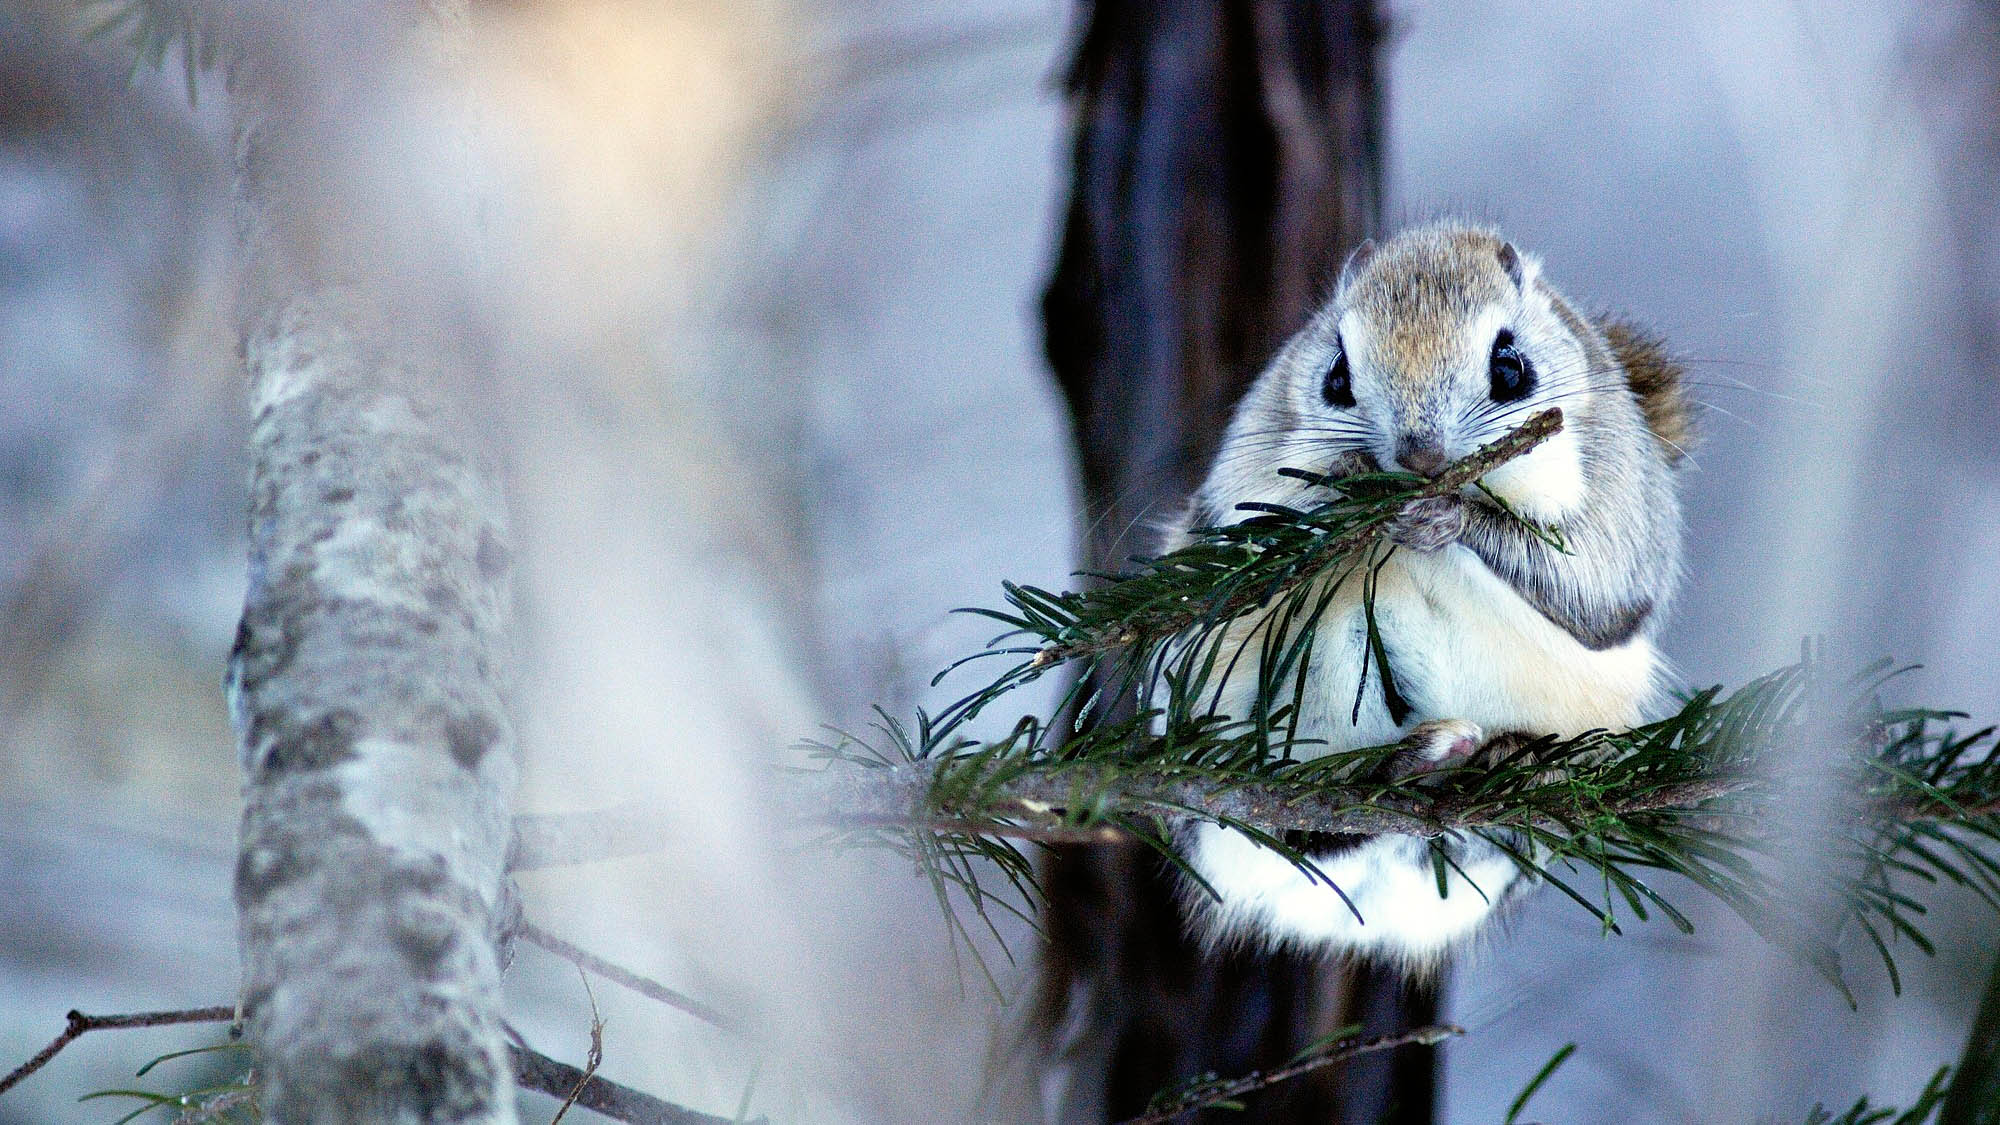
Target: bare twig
[[536, 1071], [80, 1023], [861, 58], [1256, 1080], [1042, 829], [543, 840], [618, 974], [532, 1069], [591, 1061]]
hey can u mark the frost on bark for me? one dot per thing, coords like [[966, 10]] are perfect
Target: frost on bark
[[368, 675]]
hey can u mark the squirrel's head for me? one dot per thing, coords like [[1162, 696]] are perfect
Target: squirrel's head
[[1436, 342]]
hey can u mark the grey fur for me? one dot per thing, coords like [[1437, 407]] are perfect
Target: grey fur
[[1624, 545]]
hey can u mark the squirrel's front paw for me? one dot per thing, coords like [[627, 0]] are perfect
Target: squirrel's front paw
[[1352, 463], [1429, 524], [1434, 745]]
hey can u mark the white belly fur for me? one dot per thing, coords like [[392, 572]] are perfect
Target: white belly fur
[[1463, 645]]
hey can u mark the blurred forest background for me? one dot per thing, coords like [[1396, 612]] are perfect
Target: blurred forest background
[[804, 243]]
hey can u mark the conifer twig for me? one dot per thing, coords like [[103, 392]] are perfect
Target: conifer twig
[[899, 798], [895, 800], [1461, 474], [1688, 794], [1041, 829]]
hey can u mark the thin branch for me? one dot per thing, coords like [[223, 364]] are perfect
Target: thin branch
[[1684, 794], [617, 974], [901, 794], [1042, 830], [532, 1069], [536, 1071], [1211, 1094], [896, 799], [80, 1023], [543, 840], [546, 840], [592, 1060]]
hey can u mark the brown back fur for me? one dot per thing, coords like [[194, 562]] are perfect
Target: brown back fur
[[1658, 380]]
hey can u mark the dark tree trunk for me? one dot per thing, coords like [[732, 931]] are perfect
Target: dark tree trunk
[[1227, 152], [1975, 1087], [1973, 58]]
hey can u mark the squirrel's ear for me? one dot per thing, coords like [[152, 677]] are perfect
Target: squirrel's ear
[[1356, 261], [1510, 260]]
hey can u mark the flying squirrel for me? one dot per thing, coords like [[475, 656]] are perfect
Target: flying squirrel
[[1435, 342]]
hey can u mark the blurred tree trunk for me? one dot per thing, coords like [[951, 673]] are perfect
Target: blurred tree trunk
[[1973, 58], [1227, 154], [1975, 1088], [373, 656]]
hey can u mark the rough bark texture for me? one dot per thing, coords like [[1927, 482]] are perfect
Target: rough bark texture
[[367, 678], [1226, 154]]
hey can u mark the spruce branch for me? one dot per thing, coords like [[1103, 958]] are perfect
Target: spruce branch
[[1226, 572], [1690, 794]]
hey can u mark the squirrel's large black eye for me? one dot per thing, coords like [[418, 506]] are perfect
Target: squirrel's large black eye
[[1513, 376], [1338, 389]]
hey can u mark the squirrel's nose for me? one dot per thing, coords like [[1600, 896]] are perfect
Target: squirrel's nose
[[1424, 458]]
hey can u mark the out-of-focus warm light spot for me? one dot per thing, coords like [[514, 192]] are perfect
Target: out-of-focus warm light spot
[[638, 115]]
